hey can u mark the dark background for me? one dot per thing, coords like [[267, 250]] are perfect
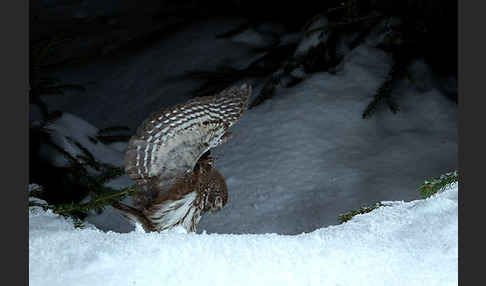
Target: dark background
[[100, 27]]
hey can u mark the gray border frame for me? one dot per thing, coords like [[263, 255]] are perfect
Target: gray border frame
[[471, 47], [14, 61]]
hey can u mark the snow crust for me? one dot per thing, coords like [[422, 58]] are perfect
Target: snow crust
[[406, 243]]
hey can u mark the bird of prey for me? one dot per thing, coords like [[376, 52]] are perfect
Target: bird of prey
[[169, 160]]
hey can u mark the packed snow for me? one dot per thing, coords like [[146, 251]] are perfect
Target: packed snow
[[295, 162], [404, 243]]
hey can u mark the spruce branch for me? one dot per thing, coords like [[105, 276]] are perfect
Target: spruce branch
[[383, 94], [349, 215], [97, 203], [340, 25], [110, 129], [437, 184], [77, 222], [112, 138], [431, 186], [106, 135]]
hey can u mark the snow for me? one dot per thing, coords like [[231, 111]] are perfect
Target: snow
[[298, 160], [295, 162], [314, 38], [120, 89], [406, 243], [68, 129], [253, 38]]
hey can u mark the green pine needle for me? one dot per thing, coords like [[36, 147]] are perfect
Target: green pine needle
[[349, 215], [97, 203], [430, 187], [437, 184]]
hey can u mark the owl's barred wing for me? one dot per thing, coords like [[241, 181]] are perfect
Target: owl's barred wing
[[169, 143], [162, 155]]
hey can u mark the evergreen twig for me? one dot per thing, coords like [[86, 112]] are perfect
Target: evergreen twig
[[349, 215], [105, 135], [430, 187], [97, 202], [72, 210], [338, 25], [113, 138], [437, 184], [383, 94]]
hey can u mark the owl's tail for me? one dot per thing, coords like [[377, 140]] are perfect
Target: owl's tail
[[133, 216]]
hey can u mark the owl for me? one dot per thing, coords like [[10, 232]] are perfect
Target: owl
[[169, 160]]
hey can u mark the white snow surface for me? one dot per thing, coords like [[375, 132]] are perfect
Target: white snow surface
[[406, 243], [253, 38], [69, 128], [313, 39], [303, 157]]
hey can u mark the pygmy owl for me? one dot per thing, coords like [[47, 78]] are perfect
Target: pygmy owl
[[169, 160]]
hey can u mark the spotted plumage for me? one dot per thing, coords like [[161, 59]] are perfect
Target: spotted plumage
[[168, 158]]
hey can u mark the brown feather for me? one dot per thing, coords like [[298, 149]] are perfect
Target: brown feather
[[168, 159]]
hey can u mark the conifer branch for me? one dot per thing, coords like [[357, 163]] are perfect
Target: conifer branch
[[106, 130], [437, 184], [106, 139], [383, 94], [349, 215], [338, 25], [430, 187], [96, 203]]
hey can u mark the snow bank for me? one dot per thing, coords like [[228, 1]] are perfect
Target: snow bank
[[68, 129], [297, 161], [407, 243]]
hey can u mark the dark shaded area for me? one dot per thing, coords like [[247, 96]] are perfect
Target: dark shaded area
[[94, 28]]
